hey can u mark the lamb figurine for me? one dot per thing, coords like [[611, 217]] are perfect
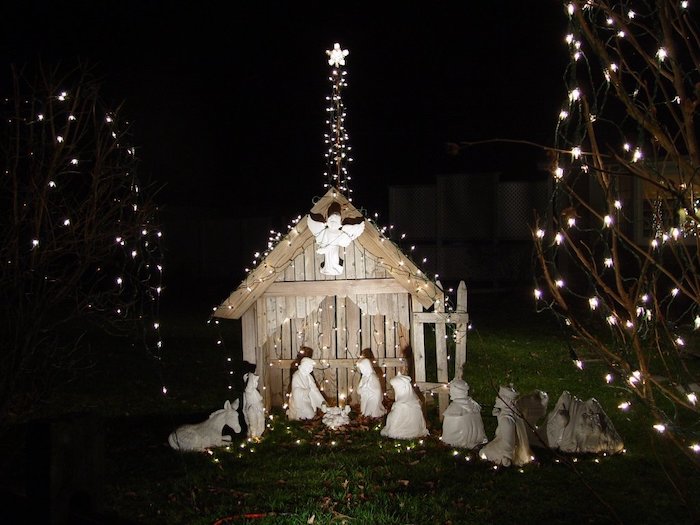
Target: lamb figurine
[[207, 434], [253, 409]]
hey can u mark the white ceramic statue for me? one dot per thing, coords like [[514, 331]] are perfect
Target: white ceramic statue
[[305, 396], [370, 390], [462, 425], [581, 427], [336, 417], [510, 445], [405, 420], [533, 409], [207, 434], [253, 409], [331, 233]]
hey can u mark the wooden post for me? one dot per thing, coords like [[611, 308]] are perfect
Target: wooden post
[[461, 331], [441, 351], [418, 343]]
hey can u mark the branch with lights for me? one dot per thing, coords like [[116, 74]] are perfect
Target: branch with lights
[[629, 291], [80, 239]]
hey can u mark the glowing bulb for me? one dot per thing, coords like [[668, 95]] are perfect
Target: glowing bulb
[[624, 406], [607, 220], [660, 428], [538, 294], [593, 303]]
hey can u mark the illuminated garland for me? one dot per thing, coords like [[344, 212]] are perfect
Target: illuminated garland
[[79, 236], [337, 156]]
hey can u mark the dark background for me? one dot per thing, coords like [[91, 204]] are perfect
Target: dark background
[[227, 100]]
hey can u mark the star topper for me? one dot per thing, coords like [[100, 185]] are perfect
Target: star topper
[[337, 55]]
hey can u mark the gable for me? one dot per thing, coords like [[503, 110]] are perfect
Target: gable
[[387, 254]]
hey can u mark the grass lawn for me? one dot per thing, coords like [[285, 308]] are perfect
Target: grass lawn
[[304, 473]]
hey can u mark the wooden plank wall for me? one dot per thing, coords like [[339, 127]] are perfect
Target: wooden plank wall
[[334, 327]]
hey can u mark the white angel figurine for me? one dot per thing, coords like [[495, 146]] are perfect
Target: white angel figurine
[[510, 445], [305, 397], [462, 425], [331, 233], [370, 390], [253, 409], [405, 420]]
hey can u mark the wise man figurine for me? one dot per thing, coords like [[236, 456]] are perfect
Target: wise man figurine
[[405, 420], [370, 390], [331, 233], [253, 409], [462, 425], [305, 398], [510, 446]]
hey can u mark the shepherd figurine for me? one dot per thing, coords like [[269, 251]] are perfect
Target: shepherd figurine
[[253, 409], [405, 420], [462, 426]]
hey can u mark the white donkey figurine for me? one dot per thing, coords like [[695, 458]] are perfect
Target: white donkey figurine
[[207, 434], [253, 409]]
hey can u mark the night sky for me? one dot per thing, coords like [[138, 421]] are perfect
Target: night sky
[[227, 99]]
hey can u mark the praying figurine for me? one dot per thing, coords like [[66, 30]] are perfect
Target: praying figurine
[[462, 425], [370, 390], [305, 397], [253, 409], [331, 233], [405, 420], [510, 446]]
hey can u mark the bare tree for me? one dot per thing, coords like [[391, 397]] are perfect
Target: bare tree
[[619, 257], [79, 242]]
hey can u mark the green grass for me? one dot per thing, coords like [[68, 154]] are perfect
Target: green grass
[[299, 471]]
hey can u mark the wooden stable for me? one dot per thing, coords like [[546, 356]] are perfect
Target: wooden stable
[[380, 302]]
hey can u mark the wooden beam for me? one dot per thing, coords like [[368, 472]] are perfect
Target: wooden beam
[[254, 286], [441, 317], [461, 331], [321, 364], [399, 265], [341, 288]]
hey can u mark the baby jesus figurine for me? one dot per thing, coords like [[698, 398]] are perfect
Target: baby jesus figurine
[[370, 390], [462, 425], [305, 397]]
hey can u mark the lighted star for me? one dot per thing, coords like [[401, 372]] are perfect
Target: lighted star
[[337, 56]]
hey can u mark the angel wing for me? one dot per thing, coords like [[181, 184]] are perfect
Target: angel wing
[[351, 231], [316, 223]]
